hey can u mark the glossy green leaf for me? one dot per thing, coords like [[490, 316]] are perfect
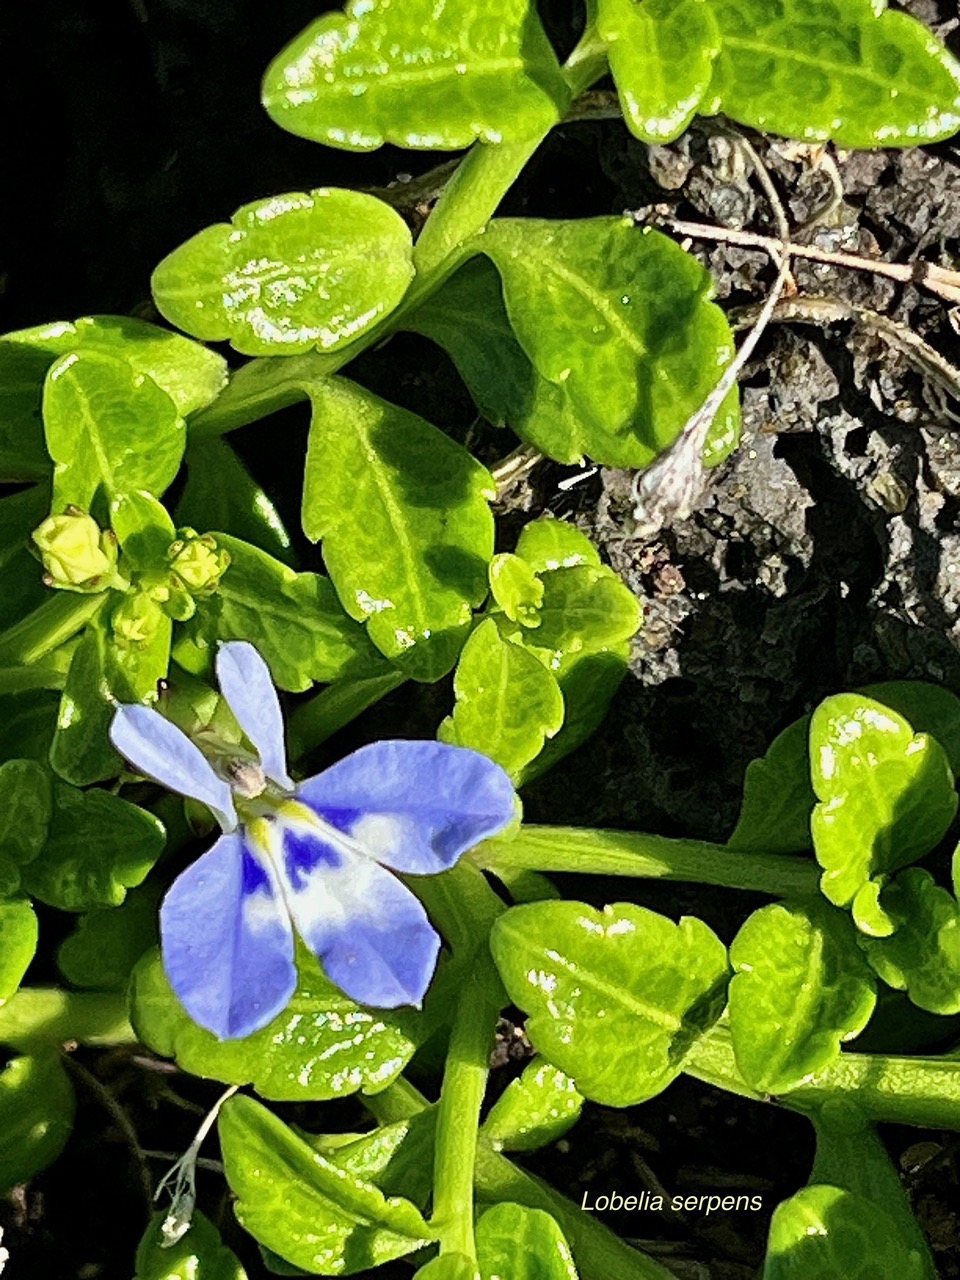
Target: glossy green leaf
[[192, 375], [407, 531], [29, 719], [106, 944], [294, 619], [289, 273], [661, 55], [929, 708], [198, 1255], [144, 530], [18, 944], [321, 1046], [616, 997], [449, 1266], [844, 69], [922, 956], [621, 319], [26, 805], [303, 1207], [522, 1243], [586, 609], [48, 1017], [220, 493], [107, 424], [886, 795], [831, 1234], [397, 1158], [588, 682], [548, 544], [800, 989], [533, 1110], [516, 589], [81, 752], [98, 847], [424, 75], [507, 702], [36, 1116], [23, 452], [778, 796]]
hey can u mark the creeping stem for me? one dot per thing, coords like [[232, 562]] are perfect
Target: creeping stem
[[50, 625], [637, 855]]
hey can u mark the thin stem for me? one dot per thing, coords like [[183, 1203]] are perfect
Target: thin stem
[[124, 1123], [458, 1112], [901, 1090], [47, 627], [637, 855], [323, 715]]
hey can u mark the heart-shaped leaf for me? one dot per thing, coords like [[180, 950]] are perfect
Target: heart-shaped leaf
[[106, 944], [886, 795], [850, 70], [306, 1209], [534, 1110], [661, 55], [507, 703], [833, 1234], [522, 1243], [778, 796], [800, 989], [427, 74], [26, 805], [98, 846], [18, 944], [36, 1115], [922, 956], [621, 319], [407, 530], [288, 274], [108, 425], [198, 1255], [616, 997], [321, 1046]]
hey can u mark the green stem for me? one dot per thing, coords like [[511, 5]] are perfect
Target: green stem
[[916, 1091], [47, 627], [21, 679], [648, 857], [323, 715]]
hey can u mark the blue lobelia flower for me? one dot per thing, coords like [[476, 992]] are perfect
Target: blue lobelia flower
[[308, 857]]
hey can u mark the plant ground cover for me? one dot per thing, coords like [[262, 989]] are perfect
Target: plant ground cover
[[823, 557]]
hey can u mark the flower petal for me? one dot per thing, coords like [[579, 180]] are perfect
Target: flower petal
[[246, 683], [371, 933], [414, 806], [158, 749], [227, 941]]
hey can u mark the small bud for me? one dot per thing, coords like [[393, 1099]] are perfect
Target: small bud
[[136, 619], [198, 562], [76, 553]]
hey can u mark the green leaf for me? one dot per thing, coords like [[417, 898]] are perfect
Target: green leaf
[[294, 619], [588, 682], [18, 944], [48, 1017], [617, 997], [548, 544], [143, 528], [407, 531], [290, 273], [26, 805], [621, 319], [449, 1266], [198, 1255], [29, 719], [424, 75], [106, 424], [586, 609], [930, 708], [81, 751], [397, 1158], [778, 796], [522, 1243], [516, 589], [886, 794], [321, 1046], [844, 70], [305, 1208], [800, 989], [922, 957], [661, 56], [220, 493], [36, 1116], [98, 847], [106, 944], [534, 1110], [507, 702], [23, 453], [190, 374], [832, 1234]]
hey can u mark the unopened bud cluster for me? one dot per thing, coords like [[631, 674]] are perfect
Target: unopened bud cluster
[[77, 554]]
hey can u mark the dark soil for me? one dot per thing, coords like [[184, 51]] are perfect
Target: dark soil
[[824, 555]]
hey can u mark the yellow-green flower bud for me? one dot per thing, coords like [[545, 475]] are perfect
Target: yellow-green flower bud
[[198, 562], [76, 553], [135, 620]]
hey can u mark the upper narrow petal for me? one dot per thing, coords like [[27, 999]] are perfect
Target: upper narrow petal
[[246, 684], [414, 806], [369, 931], [227, 941], [158, 749]]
